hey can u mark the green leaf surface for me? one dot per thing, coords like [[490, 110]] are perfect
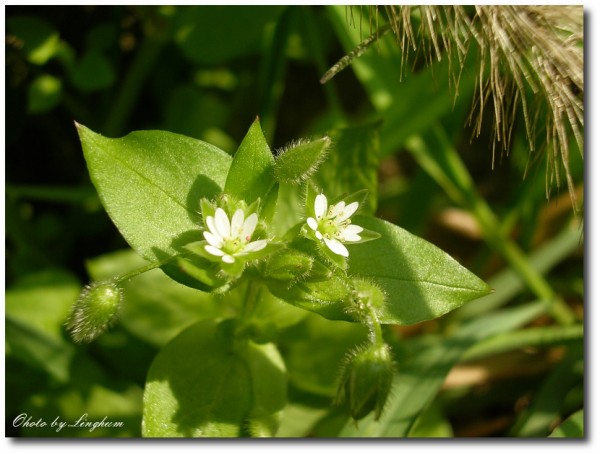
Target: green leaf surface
[[421, 281], [205, 383], [251, 174], [572, 427], [151, 183]]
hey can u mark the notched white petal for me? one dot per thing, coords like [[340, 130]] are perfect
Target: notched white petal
[[320, 206], [249, 226], [237, 223], [213, 240], [213, 250], [228, 258], [312, 223], [210, 223], [348, 211], [336, 247], [255, 246], [222, 223], [338, 208]]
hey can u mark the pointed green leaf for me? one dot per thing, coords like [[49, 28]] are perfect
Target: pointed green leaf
[[151, 183], [251, 173], [421, 281], [206, 383]]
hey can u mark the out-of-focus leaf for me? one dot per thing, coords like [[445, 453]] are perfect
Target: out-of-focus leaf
[[205, 383], [432, 423], [215, 34], [297, 420], [352, 165], [572, 427], [39, 38], [42, 300], [312, 367], [44, 94], [93, 72]]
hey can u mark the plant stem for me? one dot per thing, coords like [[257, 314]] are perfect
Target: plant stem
[[137, 272]]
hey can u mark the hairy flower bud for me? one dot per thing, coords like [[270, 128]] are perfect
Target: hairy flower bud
[[94, 311], [366, 381]]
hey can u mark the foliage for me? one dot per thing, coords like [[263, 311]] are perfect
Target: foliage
[[208, 332]]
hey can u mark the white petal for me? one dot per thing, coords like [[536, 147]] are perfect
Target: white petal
[[228, 258], [255, 246], [353, 229], [213, 240], [222, 223], [210, 223], [337, 247], [320, 206], [348, 211], [349, 236], [249, 226], [318, 235], [237, 223], [312, 223], [338, 208], [213, 250]]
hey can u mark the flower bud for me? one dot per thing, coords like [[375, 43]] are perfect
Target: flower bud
[[366, 381], [94, 311]]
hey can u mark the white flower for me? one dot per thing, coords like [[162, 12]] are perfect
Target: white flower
[[229, 240], [333, 225]]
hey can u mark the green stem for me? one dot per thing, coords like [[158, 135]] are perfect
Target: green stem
[[143, 269]]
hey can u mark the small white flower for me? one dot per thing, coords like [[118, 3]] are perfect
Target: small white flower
[[333, 225], [229, 240]]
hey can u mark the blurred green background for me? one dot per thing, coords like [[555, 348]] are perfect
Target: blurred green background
[[207, 72]]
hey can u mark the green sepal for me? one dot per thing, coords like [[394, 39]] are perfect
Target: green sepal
[[299, 161], [288, 265]]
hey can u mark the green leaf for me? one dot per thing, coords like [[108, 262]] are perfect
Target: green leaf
[[38, 349], [251, 173], [352, 165], [44, 94], [93, 72], [206, 383], [421, 281], [572, 427], [39, 38], [151, 183], [296, 162], [214, 34], [43, 300]]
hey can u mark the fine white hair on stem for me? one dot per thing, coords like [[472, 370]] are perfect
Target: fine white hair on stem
[[530, 64]]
